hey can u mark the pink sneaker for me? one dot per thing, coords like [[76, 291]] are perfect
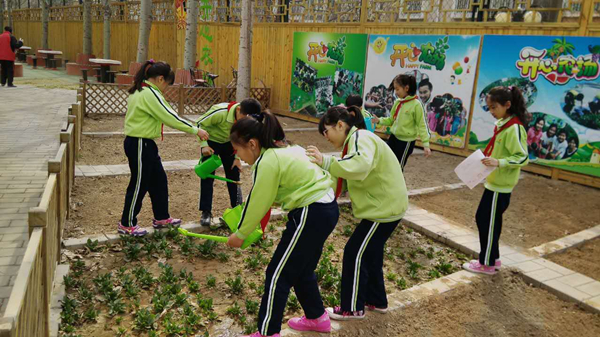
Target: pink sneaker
[[339, 315], [133, 231], [376, 309], [160, 224], [257, 334], [475, 267], [497, 264], [321, 324]]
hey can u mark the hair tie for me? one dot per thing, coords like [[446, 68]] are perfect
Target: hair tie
[[258, 117], [151, 61], [510, 87]]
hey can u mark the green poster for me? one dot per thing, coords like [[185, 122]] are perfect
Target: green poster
[[326, 68]]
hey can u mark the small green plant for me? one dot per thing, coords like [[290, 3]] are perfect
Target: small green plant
[[180, 299], [92, 246], [430, 255], [163, 244], [401, 283], [412, 254], [116, 307], [172, 328], [132, 251], [234, 310], [212, 316], [250, 327], [347, 231], [69, 314], [421, 251], [413, 269], [103, 282], [144, 320], [118, 320], [168, 253], [292, 303], [150, 247], [194, 286], [222, 257], [85, 295], [70, 282], [444, 267], [207, 249], [409, 230], [211, 281], [186, 247], [167, 275], [205, 304], [121, 331], [159, 303], [236, 286], [251, 307], [391, 276], [434, 274], [91, 315]]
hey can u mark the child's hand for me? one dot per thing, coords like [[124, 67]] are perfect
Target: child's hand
[[234, 241], [493, 162], [427, 152], [202, 134], [237, 163], [315, 155], [207, 151], [375, 120]]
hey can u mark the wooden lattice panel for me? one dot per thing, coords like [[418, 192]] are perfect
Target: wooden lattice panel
[[163, 11], [172, 95], [199, 100], [106, 98], [118, 11], [73, 13], [263, 95]]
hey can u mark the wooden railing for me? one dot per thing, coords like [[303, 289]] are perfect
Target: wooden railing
[[112, 98], [28, 310]]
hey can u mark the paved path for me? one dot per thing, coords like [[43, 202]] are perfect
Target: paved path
[[30, 122]]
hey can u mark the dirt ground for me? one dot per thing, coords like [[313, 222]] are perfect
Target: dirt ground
[[114, 123], [583, 259], [229, 264], [97, 202], [541, 210], [493, 307]]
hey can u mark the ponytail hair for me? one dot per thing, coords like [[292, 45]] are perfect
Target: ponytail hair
[[351, 115], [511, 94], [263, 127], [151, 69]]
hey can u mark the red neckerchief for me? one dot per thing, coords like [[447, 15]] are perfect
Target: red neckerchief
[[264, 222], [490, 147], [338, 189], [162, 126], [400, 105], [230, 105]]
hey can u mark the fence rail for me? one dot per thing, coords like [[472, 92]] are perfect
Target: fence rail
[[28, 309], [112, 98]]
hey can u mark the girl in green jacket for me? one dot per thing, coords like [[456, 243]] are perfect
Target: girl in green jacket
[[407, 119], [284, 175], [147, 111], [507, 151], [376, 186]]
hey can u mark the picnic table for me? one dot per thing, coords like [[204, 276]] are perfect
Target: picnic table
[[50, 63], [105, 65], [22, 53]]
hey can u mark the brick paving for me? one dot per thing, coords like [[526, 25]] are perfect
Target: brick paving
[[30, 123]]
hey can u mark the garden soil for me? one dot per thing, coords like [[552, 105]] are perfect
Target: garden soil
[[583, 259]]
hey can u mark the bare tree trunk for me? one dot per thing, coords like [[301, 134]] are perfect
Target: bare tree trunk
[[1, 14], [10, 6], [45, 13], [107, 14], [87, 27], [191, 30], [145, 27], [245, 53]]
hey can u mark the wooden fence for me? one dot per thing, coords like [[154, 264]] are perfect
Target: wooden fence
[[112, 98], [28, 309]]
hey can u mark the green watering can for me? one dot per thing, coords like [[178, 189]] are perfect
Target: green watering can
[[204, 169], [232, 218]]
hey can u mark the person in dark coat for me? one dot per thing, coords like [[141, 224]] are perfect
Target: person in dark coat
[[8, 45]]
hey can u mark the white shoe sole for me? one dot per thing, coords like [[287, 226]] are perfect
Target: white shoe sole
[[337, 317], [378, 310]]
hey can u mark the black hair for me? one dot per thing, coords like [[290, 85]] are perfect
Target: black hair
[[405, 80], [8, 29], [350, 115], [263, 126], [562, 131], [575, 140], [354, 100], [513, 94], [539, 119], [151, 69], [553, 125], [250, 106], [426, 83]]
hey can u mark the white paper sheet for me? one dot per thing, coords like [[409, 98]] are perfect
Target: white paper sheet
[[471, 171]]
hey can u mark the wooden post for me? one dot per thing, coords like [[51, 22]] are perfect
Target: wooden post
[[363, 14], [223, 94], [586, 16], [181, 99]]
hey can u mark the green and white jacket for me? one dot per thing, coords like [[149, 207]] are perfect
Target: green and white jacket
[[410, 122], [217, 121]]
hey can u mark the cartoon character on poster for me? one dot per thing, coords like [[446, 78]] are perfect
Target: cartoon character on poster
[[442, 67], [558, 77]]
